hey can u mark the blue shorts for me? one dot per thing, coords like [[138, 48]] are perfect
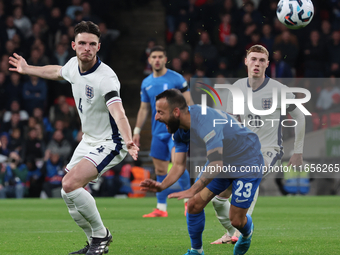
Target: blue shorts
[[161, 148], [243, 189]]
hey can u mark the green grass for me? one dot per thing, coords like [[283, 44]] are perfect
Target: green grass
[[283, 225]]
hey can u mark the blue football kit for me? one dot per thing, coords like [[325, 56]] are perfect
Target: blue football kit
[[161, 143]]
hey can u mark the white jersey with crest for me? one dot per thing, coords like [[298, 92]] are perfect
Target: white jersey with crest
[[267, 127], [89, 90]]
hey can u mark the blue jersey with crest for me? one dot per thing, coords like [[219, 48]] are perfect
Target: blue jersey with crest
[[151, 87], [241, 147]]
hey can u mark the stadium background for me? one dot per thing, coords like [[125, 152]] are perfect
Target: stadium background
[[204, 38]]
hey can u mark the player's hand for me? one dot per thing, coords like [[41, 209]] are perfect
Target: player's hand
[[132, 149], [136, 139], [151, 185], [18, 62], [296, 160], [183, 194]]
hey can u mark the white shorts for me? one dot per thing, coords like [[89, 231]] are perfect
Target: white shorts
[[103, 155], [272, 157]]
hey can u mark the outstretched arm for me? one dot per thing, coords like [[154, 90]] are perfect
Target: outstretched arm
[[118, 113], [215, 159], [50, 72], [141, 118], [296, 159]]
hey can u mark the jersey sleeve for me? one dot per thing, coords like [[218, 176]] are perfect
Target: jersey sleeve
[[182, 84], [180, 146], [144, 97], [289, 95], [109, 89], [211, 136], [65, 71]]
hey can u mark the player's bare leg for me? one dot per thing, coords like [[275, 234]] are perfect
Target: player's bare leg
[[82, 206], [161, 169]]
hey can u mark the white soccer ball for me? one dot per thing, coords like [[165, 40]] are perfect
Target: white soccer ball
[[295, 14]]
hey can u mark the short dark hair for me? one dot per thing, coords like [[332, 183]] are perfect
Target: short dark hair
[[86, 27], [174, 97], [158, 48]]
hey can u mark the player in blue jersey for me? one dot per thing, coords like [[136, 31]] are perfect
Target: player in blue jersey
[[161, 145], [228, 146], [107, 134]]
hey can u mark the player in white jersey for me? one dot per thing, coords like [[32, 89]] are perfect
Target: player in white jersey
[[107, 134], [267, 127]]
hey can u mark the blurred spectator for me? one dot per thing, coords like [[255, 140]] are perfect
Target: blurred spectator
[[176, 65], [267, 38], [325, 99], [34, 93], [34, 178], [9, 30], [37, 58], [22, 22], [268, 10], [144, 58], [16, 140], [47, 126], [15, 122], [107, 37], [178, 46], [60, 56], [14, 178], [208, 51], [59, 145], [278, 68], [63, 126], [76, 6], [249, 8], [288, 45], [53, 172], [224, 29], [233, 53], [87, 14], [14, 89], [34, 9], [33, 147], [315, 56], [4, 147], [326, 31], [3, 93], [334, 53]]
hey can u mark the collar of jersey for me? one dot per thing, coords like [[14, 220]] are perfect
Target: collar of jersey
[[93, 68], [266, 80]]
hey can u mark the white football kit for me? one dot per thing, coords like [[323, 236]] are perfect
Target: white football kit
[[267, 127], [93, 92]]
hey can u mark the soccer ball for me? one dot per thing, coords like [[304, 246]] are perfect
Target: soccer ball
[[295, 14]]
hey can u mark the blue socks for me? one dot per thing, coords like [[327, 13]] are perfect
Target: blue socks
[[196, 224], [162, 196], [184, 180], [246, 230]]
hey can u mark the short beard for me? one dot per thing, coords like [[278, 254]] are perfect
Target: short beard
[[173, 124]]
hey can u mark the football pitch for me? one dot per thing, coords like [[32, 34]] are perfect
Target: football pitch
[[283, 225]]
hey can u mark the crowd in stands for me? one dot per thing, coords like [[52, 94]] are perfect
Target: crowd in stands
[[39, 126], [209, 38]]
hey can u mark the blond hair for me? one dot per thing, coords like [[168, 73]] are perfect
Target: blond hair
[[258, 48]]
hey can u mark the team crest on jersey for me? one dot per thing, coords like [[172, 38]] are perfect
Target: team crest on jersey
[[89, 92], [267, 103]]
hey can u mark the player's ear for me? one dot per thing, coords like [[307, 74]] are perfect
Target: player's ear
[[99, 44], [73, 44], [246, 61]]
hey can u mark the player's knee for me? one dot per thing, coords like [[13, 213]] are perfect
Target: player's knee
[[237, 222], [194, 207], [67, 185]]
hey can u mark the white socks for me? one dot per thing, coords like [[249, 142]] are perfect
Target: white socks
[[82, 201], [198, 250], [222, 207], [161, 206], [77, 217]]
